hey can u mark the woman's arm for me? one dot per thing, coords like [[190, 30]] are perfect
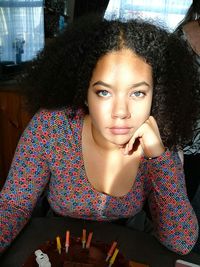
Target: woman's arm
[[174, 219], [26, 180]]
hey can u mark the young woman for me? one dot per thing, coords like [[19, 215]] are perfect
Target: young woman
[[113, 105]]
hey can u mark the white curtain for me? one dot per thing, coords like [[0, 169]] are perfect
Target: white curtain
[[167, 12], [21, 29]]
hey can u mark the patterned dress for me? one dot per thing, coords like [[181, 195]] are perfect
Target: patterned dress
[[49, 157]]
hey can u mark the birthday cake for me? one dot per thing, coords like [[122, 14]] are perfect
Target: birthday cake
[[76, 254]]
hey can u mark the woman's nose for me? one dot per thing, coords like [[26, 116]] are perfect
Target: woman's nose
[[121, 110]]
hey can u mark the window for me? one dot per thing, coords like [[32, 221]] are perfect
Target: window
[[21, 30], [167, 12]]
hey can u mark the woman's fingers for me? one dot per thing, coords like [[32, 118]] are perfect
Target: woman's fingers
[[149, 137]]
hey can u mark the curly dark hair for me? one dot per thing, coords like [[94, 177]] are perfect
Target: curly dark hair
[[60, 75]]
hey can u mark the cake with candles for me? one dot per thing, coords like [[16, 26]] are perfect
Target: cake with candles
[[77, 252]]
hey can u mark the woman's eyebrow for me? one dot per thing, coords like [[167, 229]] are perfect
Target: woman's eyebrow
[[132, 86], [140, 84], [102, 83]]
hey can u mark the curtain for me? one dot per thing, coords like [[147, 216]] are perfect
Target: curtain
[[166, 12], [21, 30]]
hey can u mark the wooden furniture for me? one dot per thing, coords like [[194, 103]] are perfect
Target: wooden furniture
[[13, 120]]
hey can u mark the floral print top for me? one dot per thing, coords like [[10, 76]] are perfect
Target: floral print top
[[49, 157]]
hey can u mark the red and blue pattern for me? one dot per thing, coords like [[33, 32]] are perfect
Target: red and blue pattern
[[49, 156]]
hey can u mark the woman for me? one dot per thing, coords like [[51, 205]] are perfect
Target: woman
[[189, 30], [110, 98]]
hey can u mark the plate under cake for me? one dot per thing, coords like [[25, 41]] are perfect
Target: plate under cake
[[94, 256]]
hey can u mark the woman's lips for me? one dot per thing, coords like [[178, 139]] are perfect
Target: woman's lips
[[120, 130]]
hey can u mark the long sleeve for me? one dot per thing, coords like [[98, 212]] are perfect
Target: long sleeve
[[174, 219], [26, 180]]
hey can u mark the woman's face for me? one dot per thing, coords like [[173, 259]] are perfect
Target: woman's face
[[119, 97]]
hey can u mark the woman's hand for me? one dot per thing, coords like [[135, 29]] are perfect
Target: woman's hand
[[149, 138]]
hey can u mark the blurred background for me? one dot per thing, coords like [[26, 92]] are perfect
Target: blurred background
[[25, 25]]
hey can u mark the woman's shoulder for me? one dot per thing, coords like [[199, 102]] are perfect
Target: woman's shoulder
[[58, 115], [55, 123]]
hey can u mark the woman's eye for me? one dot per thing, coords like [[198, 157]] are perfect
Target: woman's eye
[[103, 93], [137, 94]]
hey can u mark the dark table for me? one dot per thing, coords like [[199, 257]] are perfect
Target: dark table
[[136, 245]]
